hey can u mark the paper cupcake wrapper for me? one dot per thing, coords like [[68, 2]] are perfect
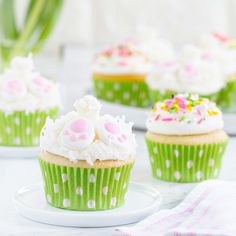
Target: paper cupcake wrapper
[[227, 97], [21, 128], [85, 189], [185, 163], [131, 93]]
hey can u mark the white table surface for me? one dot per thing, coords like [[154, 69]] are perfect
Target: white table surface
[[17, 173]]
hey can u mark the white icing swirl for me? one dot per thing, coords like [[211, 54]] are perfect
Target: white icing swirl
[[85, 135], [202, 117], [126, 58], [194, 72], [23, 89]]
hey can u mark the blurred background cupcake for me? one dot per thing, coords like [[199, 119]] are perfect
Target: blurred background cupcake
[[86, 158], [222, 49], [119, 74], [27, 99], [193, 71], [185, 139]]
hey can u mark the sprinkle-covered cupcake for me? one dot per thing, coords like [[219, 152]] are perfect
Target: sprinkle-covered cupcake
[[119, 75], [27, 99], [185, 139], [86, 158], [193, 72]]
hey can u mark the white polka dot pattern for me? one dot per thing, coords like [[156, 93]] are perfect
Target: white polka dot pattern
[[79, 191], [91, 204], [66, 202]]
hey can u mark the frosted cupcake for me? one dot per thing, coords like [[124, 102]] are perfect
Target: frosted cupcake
[[27, 99], [86, 158], [193, 72], [223, 49], [119, 75], [185, 139]]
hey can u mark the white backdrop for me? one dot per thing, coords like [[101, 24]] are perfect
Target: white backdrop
[[100, 21], [87, 24]]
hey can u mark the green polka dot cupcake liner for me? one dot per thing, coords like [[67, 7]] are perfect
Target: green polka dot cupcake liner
[[131, 93], [227, 97], [185, 163], [85, 189], [23, 129]]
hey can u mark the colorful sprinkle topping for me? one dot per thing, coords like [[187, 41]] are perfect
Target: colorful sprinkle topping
[[184, 108], [122, 50]]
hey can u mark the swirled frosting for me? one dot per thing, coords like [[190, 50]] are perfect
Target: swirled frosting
[[184, 114], [193, 72], [84, 134], [124, 58], [23, 89]]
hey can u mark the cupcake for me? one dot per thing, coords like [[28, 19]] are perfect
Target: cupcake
[[119, 75], [193, 72], [86, 158], [27, 99], [223, 49], [185, 139]]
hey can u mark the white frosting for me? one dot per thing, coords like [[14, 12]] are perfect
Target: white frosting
[[85, 135], [23, 89], [194, 72], [125, 58], [222, 49], [204, 117], [157, 50]]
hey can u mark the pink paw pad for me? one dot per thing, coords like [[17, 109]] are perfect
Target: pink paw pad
[[79, 126], [79, 133], [14, 89], [111, 132], [41, 86], [112, 128]]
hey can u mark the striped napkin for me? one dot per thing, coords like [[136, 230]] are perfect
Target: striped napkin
[[210, 209]]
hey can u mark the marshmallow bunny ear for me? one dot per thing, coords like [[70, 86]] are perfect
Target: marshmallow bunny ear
[[40, 86], [77, 134], [110, 131], [13, 89]]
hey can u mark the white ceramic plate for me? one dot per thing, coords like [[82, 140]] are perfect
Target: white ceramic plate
[[140, 202], [139, 115], [18, 152]]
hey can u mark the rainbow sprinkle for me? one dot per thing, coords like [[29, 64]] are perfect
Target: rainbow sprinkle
[[182, 105], [122, 50]]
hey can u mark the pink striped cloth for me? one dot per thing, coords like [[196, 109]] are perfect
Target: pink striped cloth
[[210, 209]]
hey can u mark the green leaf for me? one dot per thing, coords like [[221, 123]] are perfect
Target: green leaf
[[48, 23], [7, 19], [34, 15]]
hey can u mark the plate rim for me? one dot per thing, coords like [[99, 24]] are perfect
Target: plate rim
[[29, 212], [19, 152]]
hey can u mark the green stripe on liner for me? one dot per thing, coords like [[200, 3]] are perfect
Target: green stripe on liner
[[85, 189], [185, 163], [23, 129], [130, 93]]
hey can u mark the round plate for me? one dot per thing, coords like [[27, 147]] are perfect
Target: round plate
[[140, 202], [19, 152]]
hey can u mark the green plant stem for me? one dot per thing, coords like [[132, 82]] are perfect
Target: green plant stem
[[30, 24], [47, 27]]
